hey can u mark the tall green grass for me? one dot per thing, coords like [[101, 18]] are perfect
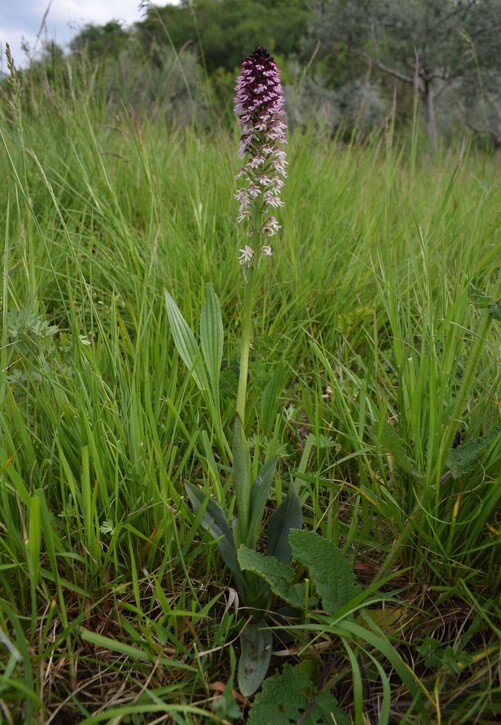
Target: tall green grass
[[113, 602]]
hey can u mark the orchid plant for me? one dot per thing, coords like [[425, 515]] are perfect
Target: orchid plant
[[259, 107], [235, 521]]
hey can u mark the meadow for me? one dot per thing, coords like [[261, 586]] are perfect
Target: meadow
[[377, 321]]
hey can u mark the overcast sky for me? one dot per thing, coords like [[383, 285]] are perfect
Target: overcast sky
[[20, 20]]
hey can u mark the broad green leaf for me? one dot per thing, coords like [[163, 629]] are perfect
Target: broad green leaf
[[258, 497], [464, 458], [185, 343], [290, 697], [212, 337], [256, 643], [269, 400], [214, 521], [279, 576], [286, 517], [333, 576], [241, 479]]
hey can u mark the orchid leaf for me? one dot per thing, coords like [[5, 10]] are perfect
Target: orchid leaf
[[214, 521], [258, 497], [186, 344], [241, 477], [212, 338], [269, 400], [286, 517], [256, 643]]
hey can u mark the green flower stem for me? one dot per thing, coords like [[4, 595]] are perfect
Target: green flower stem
[[250, 272], [245, 344], [447, 441]]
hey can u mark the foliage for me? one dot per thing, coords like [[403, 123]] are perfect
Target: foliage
[[113, 601], [101, 41], [163, 84], [221, 29], [331, 574], [464, 458], [349, 68], [290, 697], [428, 45], [250, 497]]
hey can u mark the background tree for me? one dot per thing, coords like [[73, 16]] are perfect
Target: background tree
[[101, 41], [226, 29], [426, 44], [443, 52]]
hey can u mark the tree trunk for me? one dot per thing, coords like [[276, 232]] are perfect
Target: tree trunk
[[429, 115]]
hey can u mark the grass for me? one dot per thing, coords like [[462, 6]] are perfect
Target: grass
[[114, 606]]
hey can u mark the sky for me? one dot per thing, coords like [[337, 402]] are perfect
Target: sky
[[20, 21]]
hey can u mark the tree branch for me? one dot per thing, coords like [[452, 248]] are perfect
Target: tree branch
[[385, 68]]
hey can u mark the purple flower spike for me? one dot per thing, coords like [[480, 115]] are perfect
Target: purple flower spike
[[259, 105]]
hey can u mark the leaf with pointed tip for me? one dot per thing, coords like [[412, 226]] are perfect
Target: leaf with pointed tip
[[185, 343], [241, 479], [258, 497], [212, 338], [269, 401], [286, 517], [214, 521], [256, 643]]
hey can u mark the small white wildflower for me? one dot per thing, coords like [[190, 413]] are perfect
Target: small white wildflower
[[264, 180], [246, 256], [271, 227], [254, 162], [272, 199]]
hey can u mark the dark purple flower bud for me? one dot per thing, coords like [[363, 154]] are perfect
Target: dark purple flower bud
[[259, 105]]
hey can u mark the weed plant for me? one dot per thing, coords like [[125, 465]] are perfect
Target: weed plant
[[113, 600]]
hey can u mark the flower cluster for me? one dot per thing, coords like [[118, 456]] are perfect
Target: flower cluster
[[259, 105]]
